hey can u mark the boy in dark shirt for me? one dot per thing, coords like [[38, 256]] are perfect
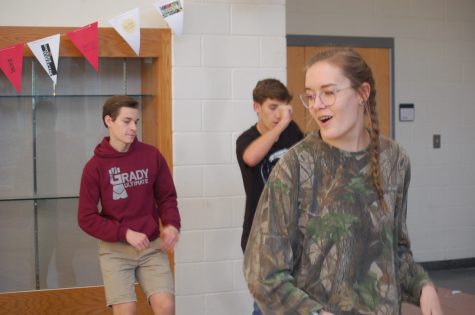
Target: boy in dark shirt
[[260, 147]]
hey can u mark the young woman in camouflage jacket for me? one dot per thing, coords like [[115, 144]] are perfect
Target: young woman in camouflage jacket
[[329, 235]]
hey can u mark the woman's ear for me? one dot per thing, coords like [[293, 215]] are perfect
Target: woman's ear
[[364, 91]]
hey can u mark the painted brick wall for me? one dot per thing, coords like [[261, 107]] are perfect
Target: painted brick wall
[[227, 46], [434, 69], [230, 44]]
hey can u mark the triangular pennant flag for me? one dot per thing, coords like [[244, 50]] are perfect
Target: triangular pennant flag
[[46, 50], [128, 26], [172, 12], [11, 63], [86, 40]]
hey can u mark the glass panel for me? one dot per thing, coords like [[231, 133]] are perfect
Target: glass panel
[[16, 155], [67, 256], [77, 77], [68, 129], [48, 135], [111, 77], [17, 265], [133, 76]]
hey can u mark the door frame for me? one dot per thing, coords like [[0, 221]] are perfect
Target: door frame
[[350, 41]]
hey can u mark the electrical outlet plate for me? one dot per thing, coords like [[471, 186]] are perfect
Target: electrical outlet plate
[[436, 141]]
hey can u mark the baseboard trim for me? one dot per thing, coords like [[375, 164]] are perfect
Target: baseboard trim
[[449, 264]]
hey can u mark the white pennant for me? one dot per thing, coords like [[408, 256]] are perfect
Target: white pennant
[[128, 26], [46, 50], [172, 12]]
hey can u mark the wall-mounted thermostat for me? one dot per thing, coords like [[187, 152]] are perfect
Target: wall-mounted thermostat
[[406, 112]]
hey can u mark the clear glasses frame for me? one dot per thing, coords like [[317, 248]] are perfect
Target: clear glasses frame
[[327, 97]]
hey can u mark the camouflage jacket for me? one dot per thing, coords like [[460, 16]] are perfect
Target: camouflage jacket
[[320, 239]]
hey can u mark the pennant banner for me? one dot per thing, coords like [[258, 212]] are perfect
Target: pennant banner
[[46, 50], [172, 12], [128, 26], [86, 40], [11, 63]]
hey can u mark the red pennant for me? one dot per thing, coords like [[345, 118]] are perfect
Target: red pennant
[[86, 40], [11, 62]]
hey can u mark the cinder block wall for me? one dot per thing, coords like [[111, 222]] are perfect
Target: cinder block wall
[[226, 48], [434, 69], [230, 44]]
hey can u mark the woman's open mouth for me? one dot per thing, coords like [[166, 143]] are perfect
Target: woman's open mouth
[[324, 119]]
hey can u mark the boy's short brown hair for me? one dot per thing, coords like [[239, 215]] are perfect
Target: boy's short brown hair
[[113, 105], [271, 88]]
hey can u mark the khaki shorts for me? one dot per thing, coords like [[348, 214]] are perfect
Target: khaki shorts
[[122, 266]]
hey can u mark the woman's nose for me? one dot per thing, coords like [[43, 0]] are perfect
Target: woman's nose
[[318, 104]]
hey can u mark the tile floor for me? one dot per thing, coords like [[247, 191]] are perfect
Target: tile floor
[[456, 290], [455, 279]]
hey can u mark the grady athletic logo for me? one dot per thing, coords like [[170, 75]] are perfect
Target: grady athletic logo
[[121, 181]]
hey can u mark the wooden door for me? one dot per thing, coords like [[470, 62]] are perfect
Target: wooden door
[[379, 59]]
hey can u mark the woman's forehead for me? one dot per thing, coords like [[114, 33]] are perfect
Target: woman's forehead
[[322, 74]]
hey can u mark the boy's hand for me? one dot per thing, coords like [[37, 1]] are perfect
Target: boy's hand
[[285, 115], [138, 240], [169, 236]]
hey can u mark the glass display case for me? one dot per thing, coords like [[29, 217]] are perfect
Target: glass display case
[[49, 132]]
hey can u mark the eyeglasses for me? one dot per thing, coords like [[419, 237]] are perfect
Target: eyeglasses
[[327, 97]]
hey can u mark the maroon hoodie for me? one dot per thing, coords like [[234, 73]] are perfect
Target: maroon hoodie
[[135, 188]]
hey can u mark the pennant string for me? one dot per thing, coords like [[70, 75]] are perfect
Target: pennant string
[[86, 41], [173, 2]]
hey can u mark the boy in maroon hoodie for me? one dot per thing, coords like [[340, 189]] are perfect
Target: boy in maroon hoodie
[[133, 184]]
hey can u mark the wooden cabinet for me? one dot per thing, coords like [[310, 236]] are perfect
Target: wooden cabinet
[[56, 131]]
